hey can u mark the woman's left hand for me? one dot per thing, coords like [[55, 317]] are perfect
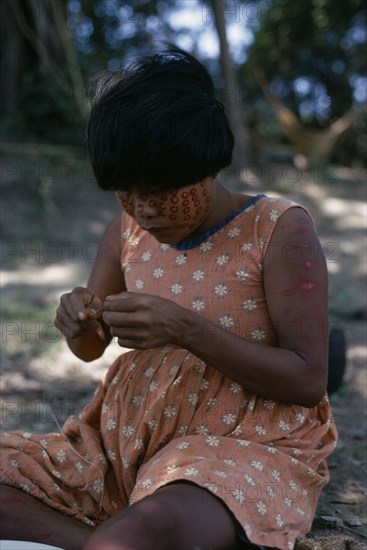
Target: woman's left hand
[[142, 321]]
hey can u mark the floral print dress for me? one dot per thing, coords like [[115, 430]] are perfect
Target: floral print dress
[[163, 415]]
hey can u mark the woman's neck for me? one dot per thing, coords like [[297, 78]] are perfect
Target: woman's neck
[[225, 203]]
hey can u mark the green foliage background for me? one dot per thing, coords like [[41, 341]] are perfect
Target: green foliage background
[[313, 53]]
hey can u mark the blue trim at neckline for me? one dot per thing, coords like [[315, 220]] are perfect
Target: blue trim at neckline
[[188, 245]]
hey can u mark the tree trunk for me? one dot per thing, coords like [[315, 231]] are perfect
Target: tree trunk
[[35, 33], [16, 58], [242, 149]]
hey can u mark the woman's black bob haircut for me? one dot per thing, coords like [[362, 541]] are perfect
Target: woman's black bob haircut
[[157, 125]]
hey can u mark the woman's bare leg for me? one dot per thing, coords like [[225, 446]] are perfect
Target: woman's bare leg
[[26, 518], [181, 515]]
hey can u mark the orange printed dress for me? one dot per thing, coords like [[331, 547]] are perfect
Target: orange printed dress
[[163, 415]]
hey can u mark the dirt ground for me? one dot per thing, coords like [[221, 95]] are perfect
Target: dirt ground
[[52, 216]]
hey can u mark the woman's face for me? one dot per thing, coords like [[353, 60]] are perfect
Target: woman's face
[[170, 216]]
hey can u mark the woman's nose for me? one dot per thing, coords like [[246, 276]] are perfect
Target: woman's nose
[[146, 207]]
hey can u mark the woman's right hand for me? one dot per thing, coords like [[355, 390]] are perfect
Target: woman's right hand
[[76, 314]]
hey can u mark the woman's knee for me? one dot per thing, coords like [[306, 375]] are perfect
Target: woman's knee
[[157, 516], [183, 515], [153, 522], [180, 515]]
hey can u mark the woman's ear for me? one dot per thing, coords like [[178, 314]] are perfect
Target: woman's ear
[[119, 196]]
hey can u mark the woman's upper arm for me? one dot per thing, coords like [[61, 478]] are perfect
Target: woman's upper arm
[[107, 277], [296, 289]]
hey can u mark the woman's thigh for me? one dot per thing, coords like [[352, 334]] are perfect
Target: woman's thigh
[[180, 515]]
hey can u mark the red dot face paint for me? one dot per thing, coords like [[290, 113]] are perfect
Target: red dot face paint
[[170, 216], [125, 201]]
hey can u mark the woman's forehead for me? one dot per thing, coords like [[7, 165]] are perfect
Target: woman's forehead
[[144, 191]]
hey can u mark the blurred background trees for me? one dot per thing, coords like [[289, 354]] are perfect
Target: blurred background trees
[[291, 72]]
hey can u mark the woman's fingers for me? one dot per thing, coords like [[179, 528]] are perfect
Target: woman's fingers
[[76, 312], [84, 303]]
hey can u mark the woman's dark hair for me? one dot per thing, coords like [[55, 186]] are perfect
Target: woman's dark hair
[[157, 125]]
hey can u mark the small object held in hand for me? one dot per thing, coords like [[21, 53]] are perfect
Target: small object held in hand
[[99, 311], [90, 301]]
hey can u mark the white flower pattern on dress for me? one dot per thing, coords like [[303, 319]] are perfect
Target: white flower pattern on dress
[[234, 232], [212, 441], [176, 288], [181, 259], [139, 284], [158, 273], [274, 215], [247, 246], [191, 472], [198, 275], [261, 508], [260, 430], [229, 418], [250, 480], [243, 276], [213, 487], [128, 430], [146, 256], [111, 424], [221, 290], [258, 334], [258, 464], [192, 399], [202, 429], [198, 305], [235, 388], [169, 411], [138, 400], [61, 456], [238, 495], [223, 259], [249, 305], [226, 321], [98, 486], [206, 246], [112, 455]]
